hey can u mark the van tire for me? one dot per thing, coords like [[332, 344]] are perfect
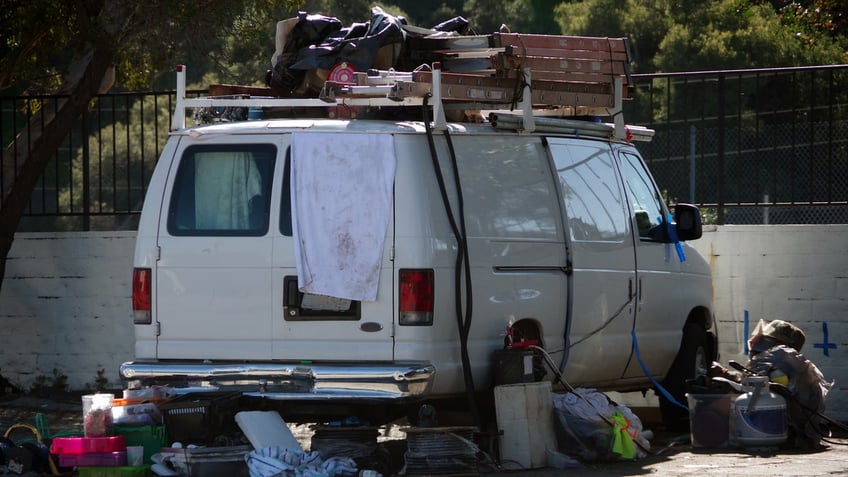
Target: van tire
[[691, 360]]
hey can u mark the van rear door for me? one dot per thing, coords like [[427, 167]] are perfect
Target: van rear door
[[213, 283], [309, 327]]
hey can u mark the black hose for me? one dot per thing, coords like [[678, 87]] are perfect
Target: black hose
[[463, 323]]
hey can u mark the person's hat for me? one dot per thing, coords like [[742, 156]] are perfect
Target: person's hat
[[776, 332]]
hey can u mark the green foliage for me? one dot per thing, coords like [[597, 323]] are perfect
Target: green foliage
[[43, 39], [508, 15], [723, 34]]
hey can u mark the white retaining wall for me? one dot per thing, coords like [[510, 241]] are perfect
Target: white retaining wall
[[65, 303]]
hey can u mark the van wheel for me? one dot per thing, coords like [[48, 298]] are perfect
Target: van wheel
[[691, 361]]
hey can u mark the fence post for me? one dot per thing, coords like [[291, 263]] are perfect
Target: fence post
[[86, 194], [692, 137], [720, 156]]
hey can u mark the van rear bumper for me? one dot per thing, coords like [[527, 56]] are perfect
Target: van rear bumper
[[291, 381]]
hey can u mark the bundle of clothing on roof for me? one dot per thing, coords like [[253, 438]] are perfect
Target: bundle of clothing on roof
[[312, 48]]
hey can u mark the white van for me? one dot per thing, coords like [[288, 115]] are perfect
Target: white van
[[350, 261]]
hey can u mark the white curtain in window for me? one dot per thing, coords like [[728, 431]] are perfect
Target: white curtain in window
[[224, 183]]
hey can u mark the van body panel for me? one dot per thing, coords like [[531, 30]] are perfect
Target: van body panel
[[147, 246], [512, 248]]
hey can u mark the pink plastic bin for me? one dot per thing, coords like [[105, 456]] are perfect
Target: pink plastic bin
[[88, 445]]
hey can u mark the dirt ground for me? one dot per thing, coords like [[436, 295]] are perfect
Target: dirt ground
[[671, 453]]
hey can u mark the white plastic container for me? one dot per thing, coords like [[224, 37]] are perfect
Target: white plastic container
[[758, 416], [97, 414]]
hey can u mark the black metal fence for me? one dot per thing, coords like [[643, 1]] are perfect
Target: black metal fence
[[749, 146], [98, 177]]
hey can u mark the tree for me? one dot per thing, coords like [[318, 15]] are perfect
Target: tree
[[669, 35], [80, 48]]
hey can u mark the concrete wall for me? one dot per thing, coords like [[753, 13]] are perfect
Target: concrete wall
[[65, 302], [66, 305]]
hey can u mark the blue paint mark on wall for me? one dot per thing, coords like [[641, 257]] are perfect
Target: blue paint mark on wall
[[745, 332], [825, 345]]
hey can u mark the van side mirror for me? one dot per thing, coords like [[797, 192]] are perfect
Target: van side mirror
[[688, 220]]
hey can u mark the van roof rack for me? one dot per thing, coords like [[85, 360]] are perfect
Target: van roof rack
[[541, 76]]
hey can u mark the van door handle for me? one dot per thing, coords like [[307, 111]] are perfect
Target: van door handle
[[629, 288], [640, 290]]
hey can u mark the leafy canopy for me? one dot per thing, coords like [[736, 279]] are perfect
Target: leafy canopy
[[674, 35]]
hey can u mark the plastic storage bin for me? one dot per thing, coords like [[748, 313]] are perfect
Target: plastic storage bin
[[152, 438], [140, 471], [210, 461], [88, 445], [709, 420], [113, 459], [197, 418]]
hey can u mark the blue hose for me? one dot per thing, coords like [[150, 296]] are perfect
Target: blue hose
[[657, 385]]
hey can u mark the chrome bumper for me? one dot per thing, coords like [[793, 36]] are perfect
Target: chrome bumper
[[292, 381]]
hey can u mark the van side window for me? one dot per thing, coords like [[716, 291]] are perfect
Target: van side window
[[591, 191], [285, 207], [508, 189], [223, 190], [646, 202]]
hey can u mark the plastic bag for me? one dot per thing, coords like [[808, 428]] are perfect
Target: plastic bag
[[591, 427]]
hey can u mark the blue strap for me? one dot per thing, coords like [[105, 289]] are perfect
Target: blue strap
[[672, 234], [657, 385]]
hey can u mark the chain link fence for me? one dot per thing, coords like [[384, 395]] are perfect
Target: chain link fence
[[748, 146]]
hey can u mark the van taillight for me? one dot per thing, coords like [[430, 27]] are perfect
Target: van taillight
[[416, 297], [141, 296]]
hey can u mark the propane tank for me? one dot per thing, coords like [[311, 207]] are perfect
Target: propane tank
[[758, 416]]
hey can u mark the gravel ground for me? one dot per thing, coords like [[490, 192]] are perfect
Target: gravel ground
[[61, 412]]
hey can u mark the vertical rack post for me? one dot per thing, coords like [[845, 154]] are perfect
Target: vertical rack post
[[618, 109], [178, 121], [439, 121], [527, 103]]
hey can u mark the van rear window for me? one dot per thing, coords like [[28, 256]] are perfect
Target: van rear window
[[223, 190]]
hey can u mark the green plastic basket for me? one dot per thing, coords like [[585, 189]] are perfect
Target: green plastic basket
[[152, 438]]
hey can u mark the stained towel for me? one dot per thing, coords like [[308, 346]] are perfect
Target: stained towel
[[341, 202]]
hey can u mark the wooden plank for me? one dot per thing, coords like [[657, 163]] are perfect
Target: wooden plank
[[565, 42], [506, 62], [555, 85], [564, 53]]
